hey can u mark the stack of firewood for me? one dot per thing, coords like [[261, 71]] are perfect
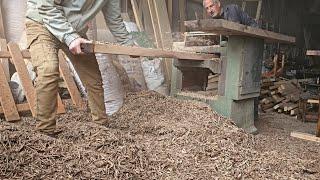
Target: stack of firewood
[[281, 96], [213, 83]]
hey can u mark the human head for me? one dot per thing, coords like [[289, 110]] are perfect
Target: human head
[[213, 7]]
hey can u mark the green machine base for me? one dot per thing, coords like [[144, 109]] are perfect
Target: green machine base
[[239, 82]]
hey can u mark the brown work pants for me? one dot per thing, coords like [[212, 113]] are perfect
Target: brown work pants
[[44, 49]]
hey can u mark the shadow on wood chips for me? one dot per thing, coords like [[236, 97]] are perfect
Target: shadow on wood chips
[[152, 137]]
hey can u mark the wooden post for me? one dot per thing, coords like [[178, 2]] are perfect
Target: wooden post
[[244, 4], [165, 34], [22, 71], [2, 33], [124, 6], [4, 62], [170, 9], [137, 14], [7, 102], [3, 46], [258, 14], [147, 19], [69, 81], [182, 12], [154, 22]]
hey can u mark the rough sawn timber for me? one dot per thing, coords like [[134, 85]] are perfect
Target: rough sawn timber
[[224, 27], [144, 52]]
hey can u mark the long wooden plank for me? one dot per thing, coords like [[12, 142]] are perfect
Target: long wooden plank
[[162, 32], [146, 52], [305, 136], [22, 71], [7, 102], [20, 107], [170, 11], [155, 24], [313, 53], [3, 46], [182, 14], [4, 61], [224, 27], [313, 101], [18, 61], [69, 81], [165, 31], [2, 33], [6, 54], [137, 14], [147, 18]]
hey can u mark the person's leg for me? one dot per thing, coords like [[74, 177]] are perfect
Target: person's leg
[[88, 69], [44, 57]]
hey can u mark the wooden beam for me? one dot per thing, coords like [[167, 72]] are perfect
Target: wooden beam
[[305, 136], [163, 23], [6, 54], [170, 11], [4, 62], [147, 19], [145, 52], [7, 102], [313, 101], [225, 27], [165, 33], [69, 81], [2, 32], [155, 24], [3, 46], [18, 61], [22, 71], [124, 6], [137, 14], [20, 107], [313, 53], [258, 14], [182, 13]]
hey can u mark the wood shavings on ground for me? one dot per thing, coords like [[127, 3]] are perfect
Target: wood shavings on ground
[[152, 137]]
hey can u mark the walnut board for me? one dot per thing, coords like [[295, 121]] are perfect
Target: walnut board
[[144, 52], [225, 27]]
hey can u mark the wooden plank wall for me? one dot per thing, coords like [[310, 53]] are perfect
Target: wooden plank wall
[[3, 45], [153, 17]]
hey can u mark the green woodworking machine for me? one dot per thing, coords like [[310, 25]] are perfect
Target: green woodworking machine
[[237, 65]]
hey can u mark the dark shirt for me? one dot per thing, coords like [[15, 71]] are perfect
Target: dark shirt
[[234, 13]]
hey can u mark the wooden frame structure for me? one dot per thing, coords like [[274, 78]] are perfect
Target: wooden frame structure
[[8, 106]]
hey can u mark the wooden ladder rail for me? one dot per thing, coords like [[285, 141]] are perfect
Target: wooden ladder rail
[[9, 108]]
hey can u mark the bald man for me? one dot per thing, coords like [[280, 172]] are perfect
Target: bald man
[[230, 12]]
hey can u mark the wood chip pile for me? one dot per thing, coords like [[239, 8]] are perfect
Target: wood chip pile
[[152, 137]]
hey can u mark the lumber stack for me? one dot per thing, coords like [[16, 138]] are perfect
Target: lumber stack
[[281, 96], [213, 83]]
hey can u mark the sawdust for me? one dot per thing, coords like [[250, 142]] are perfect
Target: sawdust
[[152, 137]]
